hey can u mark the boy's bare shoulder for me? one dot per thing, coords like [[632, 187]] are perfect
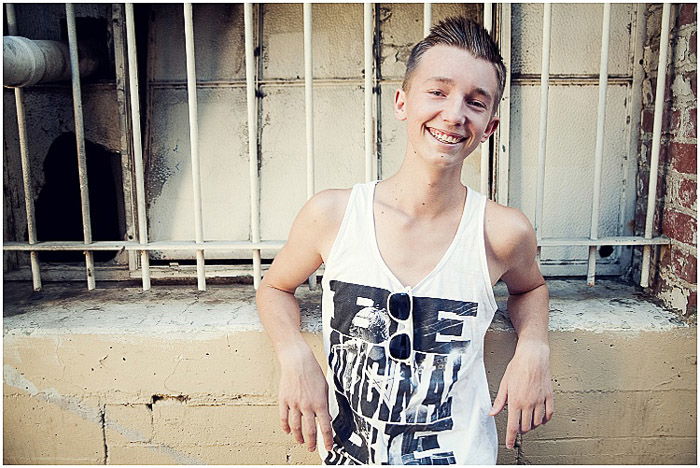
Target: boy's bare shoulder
[[319, 221], [329, 205], [509, 233]]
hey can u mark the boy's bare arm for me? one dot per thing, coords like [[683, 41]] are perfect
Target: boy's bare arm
[[526, 385], [303, 396]]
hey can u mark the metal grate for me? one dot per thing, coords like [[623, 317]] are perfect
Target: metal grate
[[255, 245]]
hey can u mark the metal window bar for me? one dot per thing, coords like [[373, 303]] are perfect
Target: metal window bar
[[503, 135], [427, 18], [544, 103], [80, 142], [309, 112], [370, 159], [24, 160], [485, 150], [194, 143], [252, 141], [143, 246], [599, 141], [136, 140], [656, 141]]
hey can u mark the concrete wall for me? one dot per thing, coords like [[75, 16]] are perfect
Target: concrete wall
[[119, 376], [674, 273]]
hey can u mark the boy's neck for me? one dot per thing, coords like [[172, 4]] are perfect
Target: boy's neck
[[422, 190]]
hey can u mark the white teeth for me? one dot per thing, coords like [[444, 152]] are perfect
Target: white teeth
[[443, 137]]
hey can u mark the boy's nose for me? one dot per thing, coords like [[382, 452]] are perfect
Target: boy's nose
[[454, 113]]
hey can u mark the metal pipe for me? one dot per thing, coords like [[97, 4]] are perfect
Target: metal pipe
[[427, 18], [502, 148], [544, 103], [194, 143], [485, 149], [369, 133], [136, 140], [309, 111], [599, 141], [80, 143], [252, 141], [27, 61], [26, 166], [656, 140]]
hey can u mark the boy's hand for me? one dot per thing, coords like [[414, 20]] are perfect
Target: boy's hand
[[527, 388], [303, 399]]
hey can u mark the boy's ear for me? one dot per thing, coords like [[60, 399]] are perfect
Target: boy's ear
[[490, 128], [400, 104]]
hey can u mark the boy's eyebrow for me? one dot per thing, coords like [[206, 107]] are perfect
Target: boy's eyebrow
[[449, 81]]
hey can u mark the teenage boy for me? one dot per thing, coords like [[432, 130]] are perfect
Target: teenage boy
[[410, 262]]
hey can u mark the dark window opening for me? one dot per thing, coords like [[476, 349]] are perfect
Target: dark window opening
[[58, 208]]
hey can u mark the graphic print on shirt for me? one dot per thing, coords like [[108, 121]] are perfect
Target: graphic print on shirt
[[381, 399]]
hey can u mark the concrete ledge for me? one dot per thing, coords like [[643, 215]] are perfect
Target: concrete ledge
[[175, 376]]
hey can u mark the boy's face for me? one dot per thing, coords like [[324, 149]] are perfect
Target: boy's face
[[449, 105]]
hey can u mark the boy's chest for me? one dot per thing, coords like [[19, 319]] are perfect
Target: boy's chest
[[411, 250]]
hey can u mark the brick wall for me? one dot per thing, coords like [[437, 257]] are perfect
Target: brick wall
[[674, 267]]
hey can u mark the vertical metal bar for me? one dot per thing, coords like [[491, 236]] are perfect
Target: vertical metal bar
[[369, 133], [128, 192], [485, 149], [24, 160], [252, 140], [599, 141], [656, 141], [633, 117], [194, 143], [80, 142], [544, 103], [503, 140], [138, 152], [427, 18], [309, 112]]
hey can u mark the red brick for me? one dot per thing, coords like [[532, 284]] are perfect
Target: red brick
[[692, 77], [679, 226], [684, 265], [675, 122], [692, 307], [687, 194], [648, 120], [687, 14], [683, 157], [694, 44], [692, 128]]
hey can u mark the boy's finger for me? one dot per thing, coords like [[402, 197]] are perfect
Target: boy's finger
[[512, 428], [284, 414], [295, 425], [499, 403], [309, 427], [324, 421]]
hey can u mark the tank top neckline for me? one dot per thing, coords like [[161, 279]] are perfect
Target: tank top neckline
[[445, 257]]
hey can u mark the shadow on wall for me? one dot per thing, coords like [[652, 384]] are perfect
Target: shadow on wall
[[58, 208]]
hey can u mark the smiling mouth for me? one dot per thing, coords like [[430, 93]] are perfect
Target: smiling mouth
[[446, 138]]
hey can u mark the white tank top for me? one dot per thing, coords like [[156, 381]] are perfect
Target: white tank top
[[433, 408]]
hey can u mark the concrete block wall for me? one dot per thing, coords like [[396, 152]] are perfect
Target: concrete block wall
[[173, 376], [674, 272]]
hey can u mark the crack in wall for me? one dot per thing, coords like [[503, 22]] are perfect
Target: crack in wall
[[105, 460], [14, 378]]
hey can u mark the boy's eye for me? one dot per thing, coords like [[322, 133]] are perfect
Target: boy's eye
[[478, 104], [436, 92]]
